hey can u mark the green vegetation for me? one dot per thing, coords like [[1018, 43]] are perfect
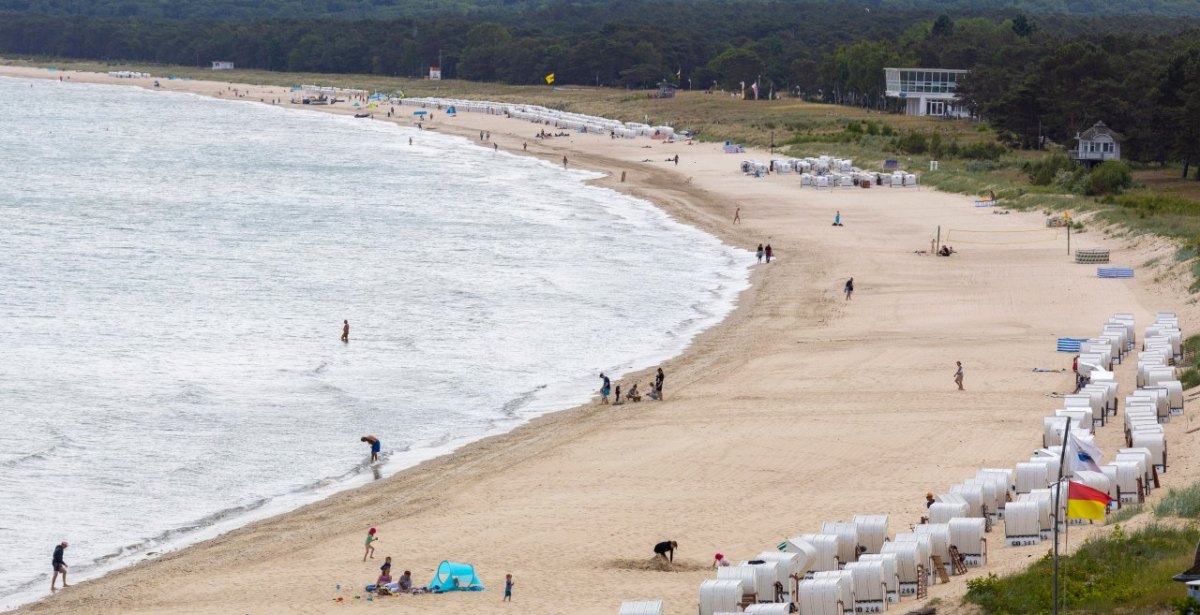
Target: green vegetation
[[1180, 503], [1121, 573]]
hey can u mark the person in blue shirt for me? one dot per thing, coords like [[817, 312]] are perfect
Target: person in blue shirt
[[605, 388]]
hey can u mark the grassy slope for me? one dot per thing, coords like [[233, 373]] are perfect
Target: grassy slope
[[1124, 572]]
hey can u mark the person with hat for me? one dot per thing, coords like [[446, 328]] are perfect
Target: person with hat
[[59, 565], [719, 560], [371, 537]]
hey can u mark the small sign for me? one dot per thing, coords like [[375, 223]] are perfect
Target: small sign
[[435, 73]]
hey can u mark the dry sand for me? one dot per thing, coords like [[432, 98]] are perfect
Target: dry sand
[[801, 407]]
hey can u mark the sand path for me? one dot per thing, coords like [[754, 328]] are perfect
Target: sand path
[[801, 407]]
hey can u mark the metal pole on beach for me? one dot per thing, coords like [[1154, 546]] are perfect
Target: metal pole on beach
[[1062, 457]]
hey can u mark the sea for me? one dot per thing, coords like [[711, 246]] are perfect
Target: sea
[[174, 275]]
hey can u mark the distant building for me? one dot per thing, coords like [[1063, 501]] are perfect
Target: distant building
[[666, 89], [926, 91], [218, 65], [435, 73], [1097, 144]]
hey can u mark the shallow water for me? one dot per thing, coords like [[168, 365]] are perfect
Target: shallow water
[[175, 272]]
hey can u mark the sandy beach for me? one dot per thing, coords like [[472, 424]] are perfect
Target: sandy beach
[[801, 407]]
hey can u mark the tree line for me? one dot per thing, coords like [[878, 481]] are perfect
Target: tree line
[[1038, 78]]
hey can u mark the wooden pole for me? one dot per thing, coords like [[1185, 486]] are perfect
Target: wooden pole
[[939, 240]]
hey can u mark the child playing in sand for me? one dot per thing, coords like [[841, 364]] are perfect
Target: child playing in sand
[[508, 585], [370, 551]]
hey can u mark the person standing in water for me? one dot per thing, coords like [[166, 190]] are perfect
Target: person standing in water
[[346, 331], [759, 252], [564, 162], [375, 446], [60, 567]]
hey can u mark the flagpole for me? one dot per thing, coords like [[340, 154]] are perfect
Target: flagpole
[[1062, 458]]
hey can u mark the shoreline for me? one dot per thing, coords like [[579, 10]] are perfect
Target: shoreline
[[276, 507], [787, 354]]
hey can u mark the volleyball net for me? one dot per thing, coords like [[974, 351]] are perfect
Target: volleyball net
[[1012, 237]]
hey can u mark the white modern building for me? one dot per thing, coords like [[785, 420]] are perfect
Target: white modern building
[[926, 91], [220, 65]]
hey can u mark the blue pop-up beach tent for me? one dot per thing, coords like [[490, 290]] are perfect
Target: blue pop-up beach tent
[[453, 576]]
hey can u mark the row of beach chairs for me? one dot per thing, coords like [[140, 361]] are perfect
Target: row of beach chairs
[[854, 566]]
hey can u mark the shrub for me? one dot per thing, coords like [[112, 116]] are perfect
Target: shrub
[[913, 143], [1109, 177], [1042, 172], [1180, 502], [982, 151]]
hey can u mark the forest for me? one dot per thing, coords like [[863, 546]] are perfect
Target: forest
[[1037, 76]]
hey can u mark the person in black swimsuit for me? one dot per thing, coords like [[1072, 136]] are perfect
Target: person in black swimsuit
[[666, 550]]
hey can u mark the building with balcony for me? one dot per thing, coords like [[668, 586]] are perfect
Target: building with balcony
[[1097, 144], [926, 91]]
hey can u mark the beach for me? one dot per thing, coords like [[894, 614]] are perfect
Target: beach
[[801, 407]]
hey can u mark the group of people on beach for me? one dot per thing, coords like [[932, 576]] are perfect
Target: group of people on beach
[[764, 253], [654, 390], [386, 586]]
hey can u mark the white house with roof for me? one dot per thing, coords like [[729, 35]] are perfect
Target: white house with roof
[[926, 91], [1097, 144], [222, 65]]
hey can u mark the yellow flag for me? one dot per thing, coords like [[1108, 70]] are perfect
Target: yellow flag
[[550, 78]]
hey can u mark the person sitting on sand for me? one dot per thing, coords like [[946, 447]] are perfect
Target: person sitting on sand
[[666, 550], [385, 579], [405, 581], [945, 251], [653, 393], [633, 394], [719, 561]]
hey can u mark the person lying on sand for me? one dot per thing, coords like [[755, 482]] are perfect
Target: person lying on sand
[[406, 581]]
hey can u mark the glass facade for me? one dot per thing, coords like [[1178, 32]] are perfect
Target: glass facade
[[906, 81]]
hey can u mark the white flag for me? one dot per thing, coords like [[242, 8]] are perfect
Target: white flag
[[1082, 455]]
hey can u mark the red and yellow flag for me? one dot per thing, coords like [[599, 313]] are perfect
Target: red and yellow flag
[[1084, 502]]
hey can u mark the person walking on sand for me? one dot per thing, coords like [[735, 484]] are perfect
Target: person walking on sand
[[849, 288], [676, 159], [371, 537], [958, 375], [658, 384], [60, 567], [525, 146], [768, 253], [759, 253], [508, 585], [604, 388], [346, 331], [737, 215], [666, 550], [375, 446], [617, 396]]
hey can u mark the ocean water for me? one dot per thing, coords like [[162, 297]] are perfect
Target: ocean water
[[174, 272]]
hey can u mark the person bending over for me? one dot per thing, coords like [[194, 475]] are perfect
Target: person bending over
[[666, 550]]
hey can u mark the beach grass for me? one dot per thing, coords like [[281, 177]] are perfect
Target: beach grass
[[1121, 573]]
